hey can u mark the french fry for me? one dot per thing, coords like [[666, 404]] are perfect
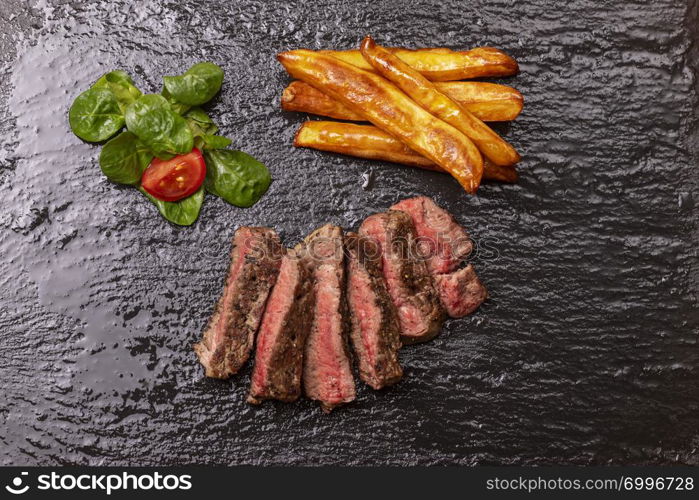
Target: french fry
[[299, 96], [443, 65], [383, 104], [436, 50], [491, 102], [363, 141], [367, 141], [439, 104], [487, 101]]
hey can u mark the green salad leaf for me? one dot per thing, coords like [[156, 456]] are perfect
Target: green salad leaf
[[177, 107], [235, 176], [204, 130], [200, 122], [183, 212], [124, 158], [162, 130], [121, 85], [199, 115], [208, 141], [165, 125], [95, 115], [197, 85]]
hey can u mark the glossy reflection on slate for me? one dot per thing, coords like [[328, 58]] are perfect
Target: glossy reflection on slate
[[586, 351]]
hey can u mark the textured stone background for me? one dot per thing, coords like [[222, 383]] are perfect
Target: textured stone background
[[586, 353]]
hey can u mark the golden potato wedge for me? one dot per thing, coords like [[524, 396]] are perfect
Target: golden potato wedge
[[363, 141], [299, 96], [491, 102], [500, 173], [367, 141], [443, 65], [487, 101], [384, 105], [439, 104], [436, 50]]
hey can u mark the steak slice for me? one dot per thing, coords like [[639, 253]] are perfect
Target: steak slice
[[282, 335], [375, 330], [229, 336], [327, 371], [461, 292], [442, 242], [409, 282]]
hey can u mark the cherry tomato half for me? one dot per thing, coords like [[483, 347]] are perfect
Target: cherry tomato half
[[174, 179]]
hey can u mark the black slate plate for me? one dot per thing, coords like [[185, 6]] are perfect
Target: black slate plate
[[585, 353]]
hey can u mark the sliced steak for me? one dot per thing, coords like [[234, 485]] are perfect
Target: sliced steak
[[409, 282], [461, 292], [282, 335], [442, 242], [229, 336], [375, 330], [327, 371]]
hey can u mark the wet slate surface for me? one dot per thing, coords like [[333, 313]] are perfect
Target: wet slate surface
[[585, 353]]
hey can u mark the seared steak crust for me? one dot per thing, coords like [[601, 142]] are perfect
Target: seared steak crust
[[327, 371], [409, 282], [229, 336], [375, 330], [282, 335], [444, 245]]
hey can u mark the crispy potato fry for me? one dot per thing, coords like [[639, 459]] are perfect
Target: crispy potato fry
[[487, 101], [443, 65], [364, 141], [383, 104], [491, 102], [436, 50], [367, 141], [439, 104], [299, 96]]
